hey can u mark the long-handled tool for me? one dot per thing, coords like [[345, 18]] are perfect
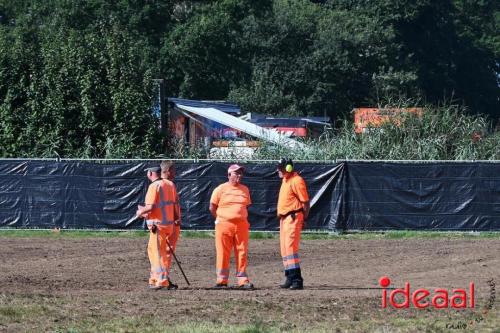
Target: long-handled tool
[[130, 220], [178, 263]]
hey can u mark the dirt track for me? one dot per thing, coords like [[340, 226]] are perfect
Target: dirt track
[[107, 278]]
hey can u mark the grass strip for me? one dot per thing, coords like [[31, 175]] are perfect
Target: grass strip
[[405, 234]]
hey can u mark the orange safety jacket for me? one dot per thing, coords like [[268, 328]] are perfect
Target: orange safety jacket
[[293, 193], [162, 196]]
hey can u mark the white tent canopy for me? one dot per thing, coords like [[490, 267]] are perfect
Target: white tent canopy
[[242, 125]]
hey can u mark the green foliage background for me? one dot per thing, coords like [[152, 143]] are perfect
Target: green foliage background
[[76, 77]]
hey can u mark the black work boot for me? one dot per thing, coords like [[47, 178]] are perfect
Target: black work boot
[[221, 285], [171, 285], [288, 281], [297, 281]]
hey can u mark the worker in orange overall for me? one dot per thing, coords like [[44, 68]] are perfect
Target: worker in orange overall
[[293, 209], [229, 205], [168, 173], [160, 215]]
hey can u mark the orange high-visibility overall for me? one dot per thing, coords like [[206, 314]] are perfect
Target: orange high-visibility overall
[[293, 193], [172, 240], [176, 232], [231, 230], [162, 196]]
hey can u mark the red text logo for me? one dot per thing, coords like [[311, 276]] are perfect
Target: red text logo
[[422, 298]]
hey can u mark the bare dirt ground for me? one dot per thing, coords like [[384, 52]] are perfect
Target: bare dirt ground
[[88, 284]]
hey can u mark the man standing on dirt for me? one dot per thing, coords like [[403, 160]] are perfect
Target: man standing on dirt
[[160, 215], [168, 173], [229, 205], [293, 209]]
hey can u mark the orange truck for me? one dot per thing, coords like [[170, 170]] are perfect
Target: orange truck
[[365, 118]]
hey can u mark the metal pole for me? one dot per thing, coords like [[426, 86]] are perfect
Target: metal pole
[[178, 263]]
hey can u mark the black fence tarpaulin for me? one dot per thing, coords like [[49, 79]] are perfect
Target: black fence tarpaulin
[[196, 182], [348, 195], [78, 194], [422, 196]]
